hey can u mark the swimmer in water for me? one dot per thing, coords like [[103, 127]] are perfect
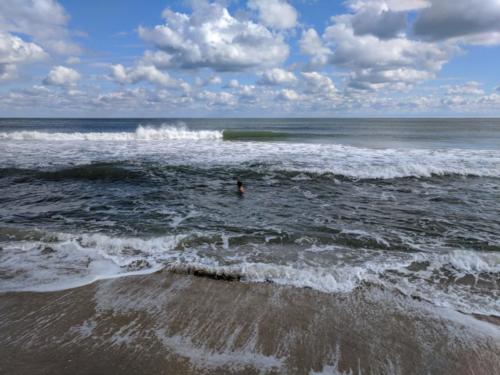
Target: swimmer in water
[[241, 188]]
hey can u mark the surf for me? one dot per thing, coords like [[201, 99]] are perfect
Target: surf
[[444, 279], [142, 133]]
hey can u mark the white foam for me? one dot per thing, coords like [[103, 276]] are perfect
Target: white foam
[[205, 149], [142, 133], [359, 163], [77, 260], [82, 259], [202, 357]]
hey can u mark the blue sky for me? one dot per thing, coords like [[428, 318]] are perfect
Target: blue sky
[[249, 58]]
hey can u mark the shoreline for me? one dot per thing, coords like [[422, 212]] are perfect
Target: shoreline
[[168, 323]]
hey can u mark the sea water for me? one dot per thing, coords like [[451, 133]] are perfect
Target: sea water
[[408, 205]]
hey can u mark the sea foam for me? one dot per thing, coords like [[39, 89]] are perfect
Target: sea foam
[[93, 257], [142, 133]]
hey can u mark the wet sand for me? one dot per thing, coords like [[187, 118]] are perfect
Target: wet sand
[[168, 323]]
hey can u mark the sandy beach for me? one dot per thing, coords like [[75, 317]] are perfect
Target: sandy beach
[[168, 323]]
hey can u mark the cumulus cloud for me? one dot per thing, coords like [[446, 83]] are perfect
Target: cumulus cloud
[[232, 84], [317, 83], [309, 96], [377, 18], [376, 52], [73, 60], [160, 59], [140, 73], [468, 88], [212, 80], [392, 5], [212, 37], [44, 20], [277, 14], [62, 76], [289, 95], [7, 72], [13, 52], [375, 45], [311, 44], [377, 63], [277, 76], [216, 99], [473, 21]]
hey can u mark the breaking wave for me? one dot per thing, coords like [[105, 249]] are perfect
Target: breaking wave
[[443, 279], [142, 133], [339, 164], [398, 170]]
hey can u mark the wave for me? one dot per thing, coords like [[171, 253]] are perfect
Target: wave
[[461, 279], [257, 135], [142, 133], [283, 158], [152, 133], [95, 171], [389, 172], [340, 170]]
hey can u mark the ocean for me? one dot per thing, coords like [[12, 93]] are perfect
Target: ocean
[[333, 205]]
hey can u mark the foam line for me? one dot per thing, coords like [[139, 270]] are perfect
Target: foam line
[[142, 133]]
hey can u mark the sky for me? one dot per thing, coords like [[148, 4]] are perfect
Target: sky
[[255, 58]]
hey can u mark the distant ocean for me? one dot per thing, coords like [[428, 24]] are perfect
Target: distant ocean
[[330, 204]]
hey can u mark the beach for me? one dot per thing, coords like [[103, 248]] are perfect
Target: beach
[[166, 323], [362, 246]]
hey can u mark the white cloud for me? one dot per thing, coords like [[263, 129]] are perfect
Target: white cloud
[[148, 73], [248, 93], [468, 88], [489, 102], [212, 80], [211, 37], [320, 84], [310, 96], [481, 39], [233, 84], [392, 5], [7, 72], [45, 20], [277, 14], [160, 59], [289, 95], [73, 60], [216, 99], [371, 47], [312, 45], [277, 76], [376, 63], [379, 54], [62, 76], [13, 52]]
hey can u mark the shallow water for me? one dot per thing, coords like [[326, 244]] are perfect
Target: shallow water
[[412, 205]]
